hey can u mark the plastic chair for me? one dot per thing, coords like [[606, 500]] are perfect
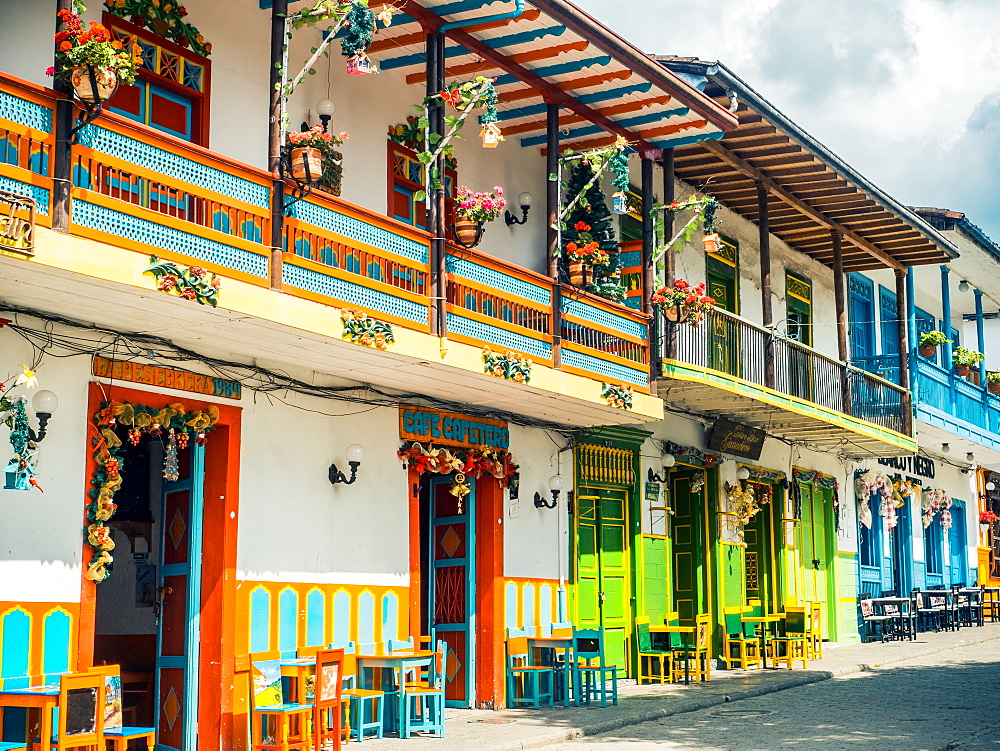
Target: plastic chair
[[592, 680], [520, 669], [117, 735], [423, 708], [648, 657], [737, 645], [366, 706], [699, 657], [793, 645], [81, 715], [327, 699], [277, 725]]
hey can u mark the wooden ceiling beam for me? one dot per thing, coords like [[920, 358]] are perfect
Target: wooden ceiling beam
[[586, 82], [569, 119], [642, 136], [481, 67], [786, 197], [408, 40]]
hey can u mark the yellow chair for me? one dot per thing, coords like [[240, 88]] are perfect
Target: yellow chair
[[278, 725], [116, 734], [816, 629], [81, 712], [794, 645], [648, 656], [699, 656], [738, 646]]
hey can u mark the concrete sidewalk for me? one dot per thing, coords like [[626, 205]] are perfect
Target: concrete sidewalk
[[514, 729]]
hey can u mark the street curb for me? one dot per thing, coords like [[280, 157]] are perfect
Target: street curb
[[694, 704]]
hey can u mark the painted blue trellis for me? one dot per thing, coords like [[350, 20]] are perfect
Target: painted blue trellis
[[260, 620], [288, 620], [315, 605]]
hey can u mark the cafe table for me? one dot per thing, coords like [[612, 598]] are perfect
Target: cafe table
[[765, 622], [298, 670], [42, 698], [903, 611], [564, 643], [687, 647], [400, 663]]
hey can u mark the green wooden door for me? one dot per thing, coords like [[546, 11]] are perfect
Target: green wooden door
[[816, 546], [760, 556], [721, 280], [603, 589], [798, 304], [687, 534]]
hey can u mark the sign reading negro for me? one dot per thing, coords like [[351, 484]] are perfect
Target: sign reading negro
[[17, 223], [730, 437]]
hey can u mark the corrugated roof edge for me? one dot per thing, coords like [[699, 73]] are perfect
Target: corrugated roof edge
[[973, 230], [729, 80], [642, 63]]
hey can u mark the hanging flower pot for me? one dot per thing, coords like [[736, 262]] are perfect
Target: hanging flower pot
[[993, 387], [307, 164], [985, 526], [927, 351], [468, 232], [712, 242], [963, 370], [92, 84], [577, 273], [672, 313]]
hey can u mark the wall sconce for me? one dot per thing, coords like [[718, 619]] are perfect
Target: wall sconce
[[743, 473], [970, 457], [556, 483], [324, 110], [963, 286], [355, 455], [991, 486], [18, 474], [44, 403], [524, 201], [668, 461], [945, 448]]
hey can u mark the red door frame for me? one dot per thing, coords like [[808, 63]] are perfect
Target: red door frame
[[218, 611], [490, 644]]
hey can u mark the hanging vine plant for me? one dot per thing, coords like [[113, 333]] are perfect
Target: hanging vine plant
[[165, 18], [704, 209]]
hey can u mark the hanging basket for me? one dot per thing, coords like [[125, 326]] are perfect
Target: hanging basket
[[963, 370], [307, 164], [926, 351], [468, 233], [993, 387], [712, 242], [672, 313], [94, 85], [985, 526], [577, 273]]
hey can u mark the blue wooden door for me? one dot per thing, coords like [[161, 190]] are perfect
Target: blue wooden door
[[861, 314], [178, 635], [452, 590], [957, 547]]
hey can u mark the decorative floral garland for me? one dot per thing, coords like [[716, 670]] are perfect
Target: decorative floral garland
[[510, 366], [187, 282], [174, 420], [742, 504], [935, 501], [165, 18], [617, 396], [361, 329], [691, 455], [466, 462]]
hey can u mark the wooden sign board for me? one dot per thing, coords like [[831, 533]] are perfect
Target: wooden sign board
[[17, 223], [730, 437], [428, 425], [168, 378]]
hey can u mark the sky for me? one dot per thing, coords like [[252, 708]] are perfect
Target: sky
[[906, 91]]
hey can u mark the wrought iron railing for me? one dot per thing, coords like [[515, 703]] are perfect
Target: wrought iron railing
[[726, 343]]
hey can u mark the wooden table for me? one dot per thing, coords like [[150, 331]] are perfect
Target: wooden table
[[904, 612], [764, 621], [564, 643], [678, 630], [298, 669], [399, 663], [44, 699]]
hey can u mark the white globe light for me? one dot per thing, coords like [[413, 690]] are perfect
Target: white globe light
[[743, 473], [325, 107], [355, 453], [945, 448], [991, 486], [45, 401], [669, 460], [556, 482], [525, 199]]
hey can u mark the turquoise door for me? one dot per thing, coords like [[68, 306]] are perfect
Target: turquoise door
[[452, 586], [179, 604], [957, 547]]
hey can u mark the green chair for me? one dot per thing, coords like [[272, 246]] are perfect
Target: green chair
[[537, 682], [738, 646], [795, 644], [591, 680], [650, 657]]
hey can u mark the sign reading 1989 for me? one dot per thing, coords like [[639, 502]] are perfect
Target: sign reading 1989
[[169, 378]]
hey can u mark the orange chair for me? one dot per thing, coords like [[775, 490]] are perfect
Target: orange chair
[[327, 699], [277, 724], [116, 734], [81, 712]]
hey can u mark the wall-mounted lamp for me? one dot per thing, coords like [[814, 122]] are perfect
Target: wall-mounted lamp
[[355, 455], [667, 462], [44, 403], [963, 286], [556, 483], [991, 486], [970, 457], [324, 110], [524, 201], [743, 473], [945, 448]]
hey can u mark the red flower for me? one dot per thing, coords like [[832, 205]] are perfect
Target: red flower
[[138, 20], [581, 226], [188, 293], [183, 41], [65, 46], [182, 11], [681, 284], [197, 271], [691, 298], [167, 283]]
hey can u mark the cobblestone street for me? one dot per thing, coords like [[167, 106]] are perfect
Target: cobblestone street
[[943, 701]]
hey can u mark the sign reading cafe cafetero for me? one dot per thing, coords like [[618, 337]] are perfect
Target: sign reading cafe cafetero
[[730, 437], [427, 425]]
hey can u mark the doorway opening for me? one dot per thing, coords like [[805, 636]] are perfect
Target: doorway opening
[[764, 543]]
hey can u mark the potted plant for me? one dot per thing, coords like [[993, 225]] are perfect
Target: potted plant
[[986, 518], [965, 359], [682, 303], [93, 62], [584, 255], [993, 382], [473, 210], [929, 341], [311, 152]]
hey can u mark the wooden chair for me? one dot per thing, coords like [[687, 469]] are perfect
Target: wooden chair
[[532, 678], [737, 645], [326, 697], [276, 724], [81, 712], [698, 657], [365, 706], [793, 645], [649, 657], [592, 679], [816, 630], [116, 734], [423, 708]]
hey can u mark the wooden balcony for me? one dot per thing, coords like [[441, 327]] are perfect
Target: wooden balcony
[[730, 366], [137, 189]]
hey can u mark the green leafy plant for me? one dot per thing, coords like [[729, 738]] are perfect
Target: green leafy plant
[[163, 17], [933, 339], [993, 377], [964, 356]]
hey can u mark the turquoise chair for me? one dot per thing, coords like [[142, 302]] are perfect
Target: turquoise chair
[[423, 709], [592, 679], [538, 681], [367, 705]]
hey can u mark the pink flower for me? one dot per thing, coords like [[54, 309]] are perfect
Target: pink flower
[[50, 71]]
